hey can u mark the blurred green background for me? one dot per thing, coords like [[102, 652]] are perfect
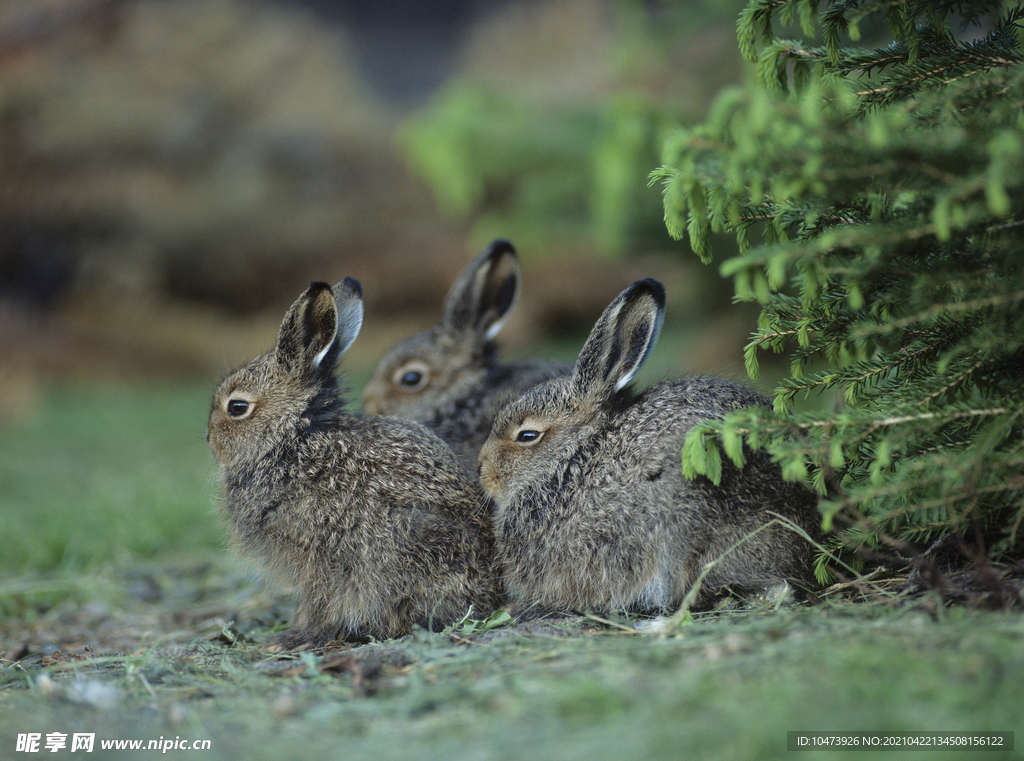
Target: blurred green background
[[174, 172]]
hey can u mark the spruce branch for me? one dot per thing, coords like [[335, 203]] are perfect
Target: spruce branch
[[877, 199], [942, 309]]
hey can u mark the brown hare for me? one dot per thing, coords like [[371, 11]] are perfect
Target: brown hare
[[592, 509], [449, 377], [371, 519]]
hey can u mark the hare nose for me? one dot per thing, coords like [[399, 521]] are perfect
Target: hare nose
[[488, 478], [371, 401]]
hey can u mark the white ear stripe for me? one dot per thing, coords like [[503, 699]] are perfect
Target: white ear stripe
[[323, 353], [497, 326], [625, 379]]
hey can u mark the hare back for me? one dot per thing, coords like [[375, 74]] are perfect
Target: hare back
[[750, 505]]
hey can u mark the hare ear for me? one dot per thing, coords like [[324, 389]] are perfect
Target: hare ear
[[308, 330], [348, 298], [622, 340], [480, 300]]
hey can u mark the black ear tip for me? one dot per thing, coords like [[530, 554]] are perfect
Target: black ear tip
[[650, 287], [317, 286], [353, 285], [500, 247]]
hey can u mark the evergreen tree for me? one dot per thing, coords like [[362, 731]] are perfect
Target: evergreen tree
[[877, 196]]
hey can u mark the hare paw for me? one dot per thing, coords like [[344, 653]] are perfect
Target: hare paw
[[292, 640]]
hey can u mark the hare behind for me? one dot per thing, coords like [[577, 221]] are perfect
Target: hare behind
[[371, 519], [592, 509], [449, 377]]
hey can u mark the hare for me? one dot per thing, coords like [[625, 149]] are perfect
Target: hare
[[592, 511], [449, 377], [372, 519]]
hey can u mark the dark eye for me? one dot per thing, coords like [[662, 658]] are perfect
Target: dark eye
[[237, 407], [527, 436], [411, 379], [412, 375]]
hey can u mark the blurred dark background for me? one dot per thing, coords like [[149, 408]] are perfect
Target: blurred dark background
[[174, 172]]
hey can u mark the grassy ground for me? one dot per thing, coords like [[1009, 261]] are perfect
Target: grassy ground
[[123, 616]]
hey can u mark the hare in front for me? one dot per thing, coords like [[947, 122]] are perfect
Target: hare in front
[[372, 519], [449, 377], [592, 509]]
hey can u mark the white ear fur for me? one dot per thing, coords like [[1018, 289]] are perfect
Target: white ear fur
[[498, 325], [348, 297], [625, 380]]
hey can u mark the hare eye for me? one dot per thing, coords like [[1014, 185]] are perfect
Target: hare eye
[[412, 376], [237, 407], [528, 436], [411, 379]]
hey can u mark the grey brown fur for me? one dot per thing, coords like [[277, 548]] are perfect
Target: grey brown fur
[[449, 377], [372, 519], [592, 509]]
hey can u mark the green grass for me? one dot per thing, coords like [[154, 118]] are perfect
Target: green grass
[[726, 687], [106, 474], [110, 487]]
